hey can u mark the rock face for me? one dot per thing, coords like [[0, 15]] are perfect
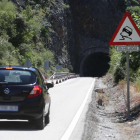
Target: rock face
[[97, 18], [76, 26], [58, 17], [94, 23], [57, 41]]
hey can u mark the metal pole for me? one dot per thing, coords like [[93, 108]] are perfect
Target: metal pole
[[128, 97]]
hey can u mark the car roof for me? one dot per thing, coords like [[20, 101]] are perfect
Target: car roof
[[19, 68]]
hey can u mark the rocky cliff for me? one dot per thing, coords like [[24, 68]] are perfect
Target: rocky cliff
[[76, 23], [95, 22]]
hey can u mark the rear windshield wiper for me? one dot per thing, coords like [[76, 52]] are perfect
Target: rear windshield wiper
[[3, 83]]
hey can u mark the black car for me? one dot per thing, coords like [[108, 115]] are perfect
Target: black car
[[24, 95]]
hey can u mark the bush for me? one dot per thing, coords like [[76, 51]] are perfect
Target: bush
[[7, 17], [8, 53], [137, 81], [23, 34], [118, 74], [133, 9], [115, 58]]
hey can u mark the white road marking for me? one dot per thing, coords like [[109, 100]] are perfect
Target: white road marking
[[66, 101], [71, 127]]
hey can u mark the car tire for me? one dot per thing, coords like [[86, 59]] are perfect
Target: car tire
[[40, 123], [47, 117]]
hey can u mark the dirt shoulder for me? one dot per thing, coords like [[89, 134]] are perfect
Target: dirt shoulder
[[110, 122]]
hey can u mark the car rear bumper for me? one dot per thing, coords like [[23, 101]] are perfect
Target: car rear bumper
[[31, 110]]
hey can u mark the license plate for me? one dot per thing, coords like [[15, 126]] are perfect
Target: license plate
[[8, 108]]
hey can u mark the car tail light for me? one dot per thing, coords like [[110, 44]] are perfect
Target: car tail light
[[36, 91], [8, 68]]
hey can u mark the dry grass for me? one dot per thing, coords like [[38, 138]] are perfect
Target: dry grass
[[137, 87], [107, 97], [133, 90], [107, 78], [116, 95]]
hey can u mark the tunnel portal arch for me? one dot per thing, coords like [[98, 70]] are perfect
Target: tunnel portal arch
[[94, 62]]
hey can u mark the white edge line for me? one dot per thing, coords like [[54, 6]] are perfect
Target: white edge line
[[71, 127]]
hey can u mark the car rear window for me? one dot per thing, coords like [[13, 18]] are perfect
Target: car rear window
[[17, 77]]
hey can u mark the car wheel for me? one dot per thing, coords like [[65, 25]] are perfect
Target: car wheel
[[40, 123], [47, 117]]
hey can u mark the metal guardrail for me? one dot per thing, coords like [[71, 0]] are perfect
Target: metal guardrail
[[59, 77]]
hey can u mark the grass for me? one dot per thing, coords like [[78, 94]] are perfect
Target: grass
[[134, 92]]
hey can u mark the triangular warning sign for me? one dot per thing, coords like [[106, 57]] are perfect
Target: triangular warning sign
[[127, 33]]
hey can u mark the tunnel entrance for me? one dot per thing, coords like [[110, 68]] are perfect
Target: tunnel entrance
[[96, 65]]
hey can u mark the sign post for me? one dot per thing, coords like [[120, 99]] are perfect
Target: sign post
[[128, 95], [127, 33]]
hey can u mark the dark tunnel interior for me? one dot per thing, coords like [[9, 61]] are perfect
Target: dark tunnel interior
[[96, 65]]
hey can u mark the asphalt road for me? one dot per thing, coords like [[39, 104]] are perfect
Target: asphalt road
[[67, 99]]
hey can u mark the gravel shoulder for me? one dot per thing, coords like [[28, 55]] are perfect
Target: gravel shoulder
[[109, 123]]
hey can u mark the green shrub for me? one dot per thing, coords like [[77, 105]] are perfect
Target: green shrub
[[133, 9], [7, 17], [115, 58], [23, 34], [118, 74], [136, 18], [137, 80]]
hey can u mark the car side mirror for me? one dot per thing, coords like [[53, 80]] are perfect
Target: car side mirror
[[49, 85]]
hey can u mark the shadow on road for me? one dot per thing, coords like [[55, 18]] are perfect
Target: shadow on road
[[17, 125]]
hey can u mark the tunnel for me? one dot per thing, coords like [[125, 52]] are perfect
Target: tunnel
[[96, 64]]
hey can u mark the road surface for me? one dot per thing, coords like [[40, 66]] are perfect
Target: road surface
[[67, 102]]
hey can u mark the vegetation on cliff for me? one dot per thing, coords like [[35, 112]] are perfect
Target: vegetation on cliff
[[23, 35], [118, 60]]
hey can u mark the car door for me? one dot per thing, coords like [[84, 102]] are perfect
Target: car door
[[44, 91]]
